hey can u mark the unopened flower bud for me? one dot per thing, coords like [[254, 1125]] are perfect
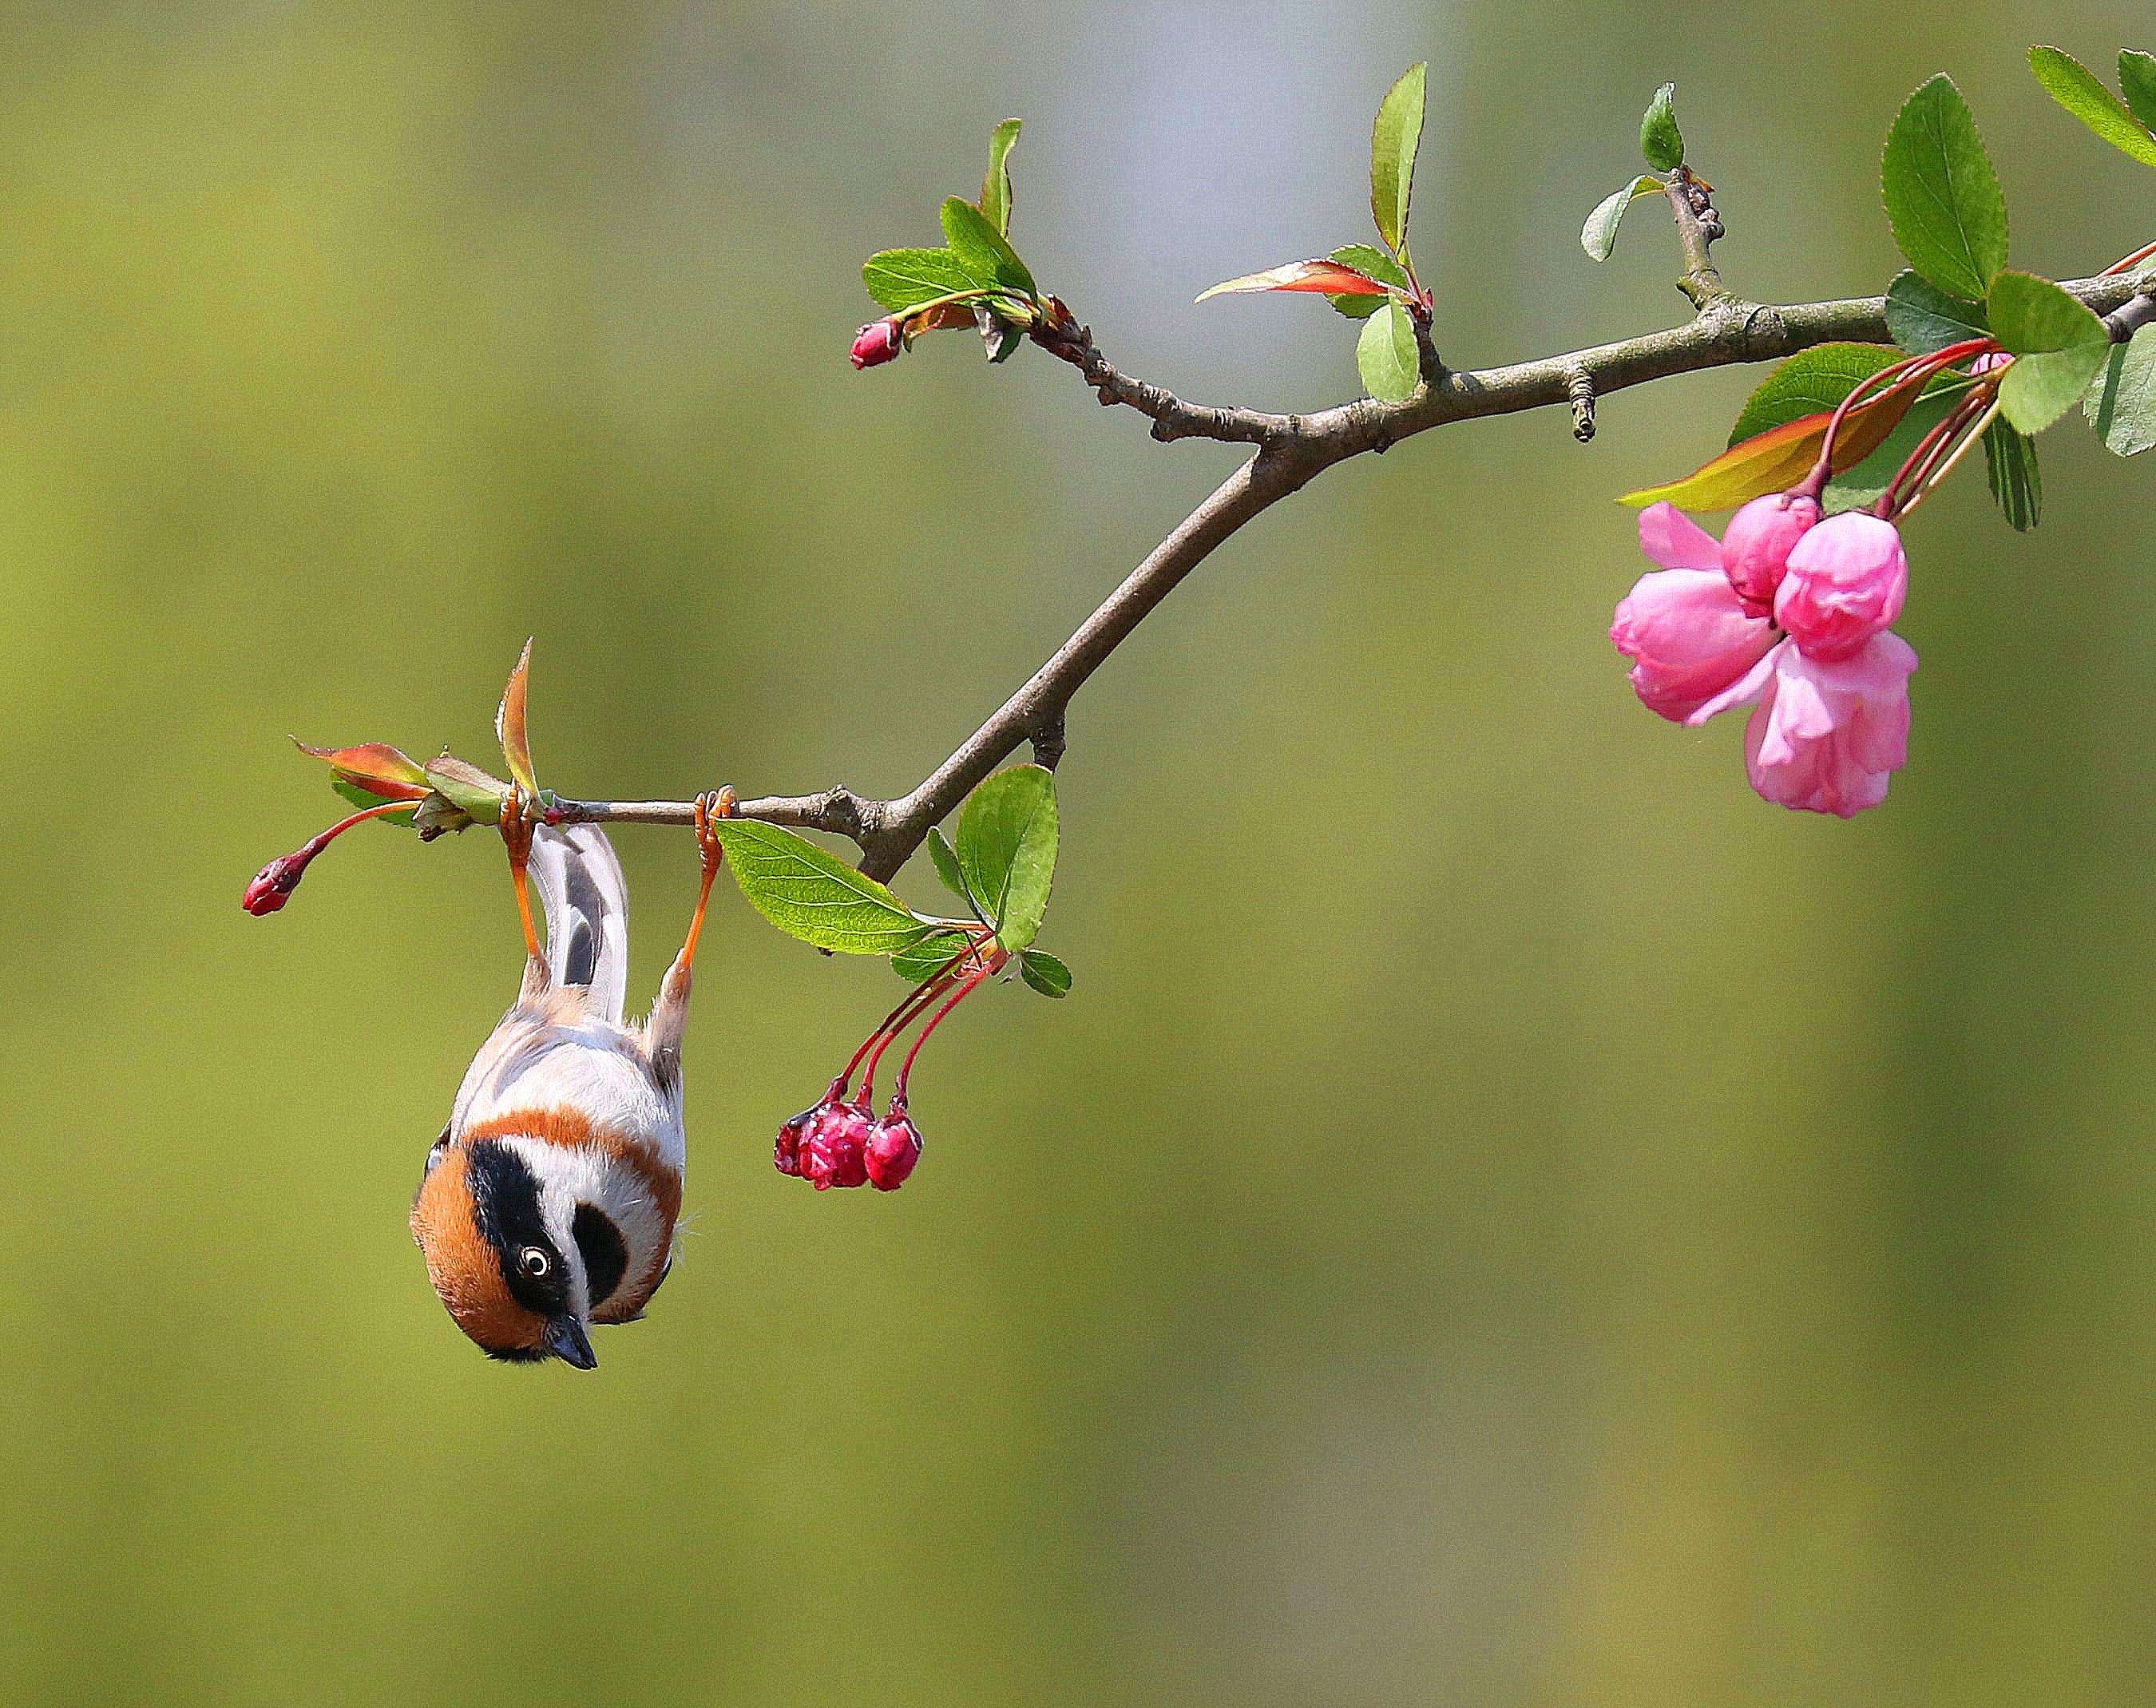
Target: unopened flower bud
[[833, 1145], [1847, 580], [785, 1154], [274, 884], [877, 343], [892, 1148], [1756, 546]]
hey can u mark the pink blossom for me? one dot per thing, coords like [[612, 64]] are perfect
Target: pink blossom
[[876, 343], [1683, 626], [1826, 733], [1756, 544], [1847, 580]]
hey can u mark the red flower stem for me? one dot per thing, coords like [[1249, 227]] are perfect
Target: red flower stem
[[965, 989], [903, 1016], [1915, 370], [2130, 261], [913, 1008], [315, 845], [1930, 450]]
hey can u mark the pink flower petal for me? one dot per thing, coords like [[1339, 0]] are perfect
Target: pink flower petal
[[1689, 639], [1675, 540]]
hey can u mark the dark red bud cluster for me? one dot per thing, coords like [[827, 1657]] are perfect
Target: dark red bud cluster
[[839, 1142], [878, 343]]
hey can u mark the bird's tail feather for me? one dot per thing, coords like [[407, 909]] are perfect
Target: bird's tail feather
[[585, 899]]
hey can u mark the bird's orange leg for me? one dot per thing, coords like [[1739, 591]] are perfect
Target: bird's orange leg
[[516, 837], [718, 805]]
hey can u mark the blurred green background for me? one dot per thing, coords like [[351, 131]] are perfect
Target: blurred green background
[[1506, 1215]]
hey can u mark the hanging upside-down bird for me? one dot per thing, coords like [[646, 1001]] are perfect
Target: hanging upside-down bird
[[549, 1202]]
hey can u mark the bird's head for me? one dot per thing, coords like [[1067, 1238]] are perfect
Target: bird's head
[[523, 1261]]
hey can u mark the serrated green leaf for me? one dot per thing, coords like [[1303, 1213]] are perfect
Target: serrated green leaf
[[982, 250], [2121, 406], [1921, 318], [920, 962], [2058, 344], [814, 895], [468, 788], [2010, 466], [2081, 93], [903, 279], [1395, 137], [1943, 198], [1387, 356], [2136, 77], [1659, 139], [1006, 848], [1599, 236], [996, 186], [1808, 382], [1776, 459], [1044, 973]]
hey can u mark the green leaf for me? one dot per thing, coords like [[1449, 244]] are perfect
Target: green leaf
[[1045, 973], [1809, 383], [438, 816], [945, 858], [903, 279], [1599, 236], [2121, 406], [1373, 262], [2009, 464], [1394, 139], [2058, 344], [1943, 197], [996, 186], [1007, 839], [467, 787], [1923, 318], [2137, 76], [920, 962], [982, 250], [2081, 93], [1659, 139], [814, 895], [1386, 355]]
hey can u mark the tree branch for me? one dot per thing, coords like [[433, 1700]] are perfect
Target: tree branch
[[1292, 451]]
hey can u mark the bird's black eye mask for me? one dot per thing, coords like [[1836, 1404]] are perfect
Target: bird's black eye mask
[[505, 1210]]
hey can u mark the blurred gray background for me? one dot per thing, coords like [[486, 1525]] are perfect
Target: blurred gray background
[[1506, 1216]]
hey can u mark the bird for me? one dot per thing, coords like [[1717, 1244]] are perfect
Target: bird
[[550, 1201]]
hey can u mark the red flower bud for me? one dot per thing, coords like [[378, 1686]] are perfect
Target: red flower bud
[[877, 343], [892, 1148], [274, 884], [831, 1147]]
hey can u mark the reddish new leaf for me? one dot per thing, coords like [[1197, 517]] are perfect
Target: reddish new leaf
[[375, 769], [509, 724], [1326, 278], [1775, 460]]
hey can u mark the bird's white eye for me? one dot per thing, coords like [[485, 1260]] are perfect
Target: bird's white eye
[[534, 1262]]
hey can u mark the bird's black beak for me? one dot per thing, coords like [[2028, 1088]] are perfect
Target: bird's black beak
[[565, 1340]]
